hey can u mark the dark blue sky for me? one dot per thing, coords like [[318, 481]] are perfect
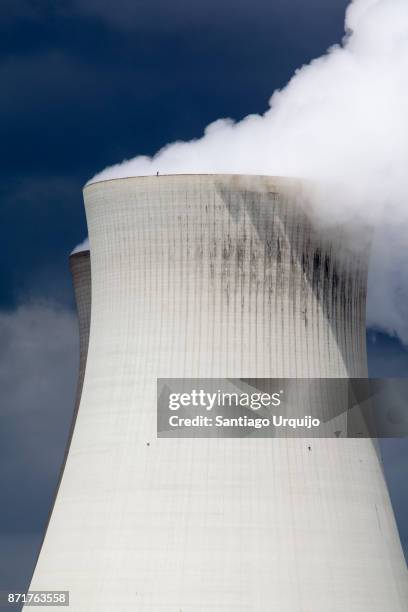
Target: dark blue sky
[[87, 83]]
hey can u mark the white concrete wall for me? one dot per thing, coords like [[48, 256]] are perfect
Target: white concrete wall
[[217, 276]]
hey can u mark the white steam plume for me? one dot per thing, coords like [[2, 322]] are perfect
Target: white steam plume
[[83, 246], [341, 120]]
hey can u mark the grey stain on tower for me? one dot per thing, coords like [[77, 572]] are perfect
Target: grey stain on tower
[[292, 248]]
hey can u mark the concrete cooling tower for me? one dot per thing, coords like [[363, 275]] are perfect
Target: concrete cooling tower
[[80, 267], [217, 276]]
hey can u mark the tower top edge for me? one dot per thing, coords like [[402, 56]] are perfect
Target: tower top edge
[[282, 180], [85, 253]]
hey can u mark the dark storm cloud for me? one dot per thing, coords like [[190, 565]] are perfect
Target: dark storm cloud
[[56, 130], [47, 80], [395, 458], [38, 364], [79, 92], [38, 368], [162, 14], [18, 552], [41, 217], [388, 358], [10, 10]]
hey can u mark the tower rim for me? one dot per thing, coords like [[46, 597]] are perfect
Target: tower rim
[[271, 177]]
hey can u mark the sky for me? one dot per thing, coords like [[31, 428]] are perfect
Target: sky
[[85, 84]]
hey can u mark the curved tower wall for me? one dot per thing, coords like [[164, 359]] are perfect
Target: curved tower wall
[[217, 276], [80, 266]]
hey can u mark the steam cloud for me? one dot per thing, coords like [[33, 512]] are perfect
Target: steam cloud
[[342, 120], [83, 246]]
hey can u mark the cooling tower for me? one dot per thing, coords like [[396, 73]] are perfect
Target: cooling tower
[[80, 267], [217, 276]]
